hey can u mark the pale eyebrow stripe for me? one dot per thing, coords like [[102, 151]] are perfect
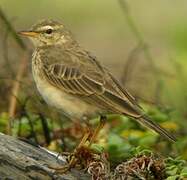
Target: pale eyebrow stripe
[[49, 27], [46, 27]]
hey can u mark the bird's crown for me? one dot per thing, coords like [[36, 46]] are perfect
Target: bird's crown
[[48, 32]]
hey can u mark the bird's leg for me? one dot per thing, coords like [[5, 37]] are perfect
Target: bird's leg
[[98, 128], [86, 138], [73, 159]]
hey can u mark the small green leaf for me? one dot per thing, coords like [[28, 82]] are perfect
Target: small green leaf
[[172, 171], [98, 149], [184, 172], [175, 177]]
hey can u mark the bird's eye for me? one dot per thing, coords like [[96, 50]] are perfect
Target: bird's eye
[[48, 31]]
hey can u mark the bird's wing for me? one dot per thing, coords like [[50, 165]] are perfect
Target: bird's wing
[[72, 80], [123, 92], [92, 84]]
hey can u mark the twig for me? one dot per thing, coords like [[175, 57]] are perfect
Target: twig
[[128, 68], [20, 72], [12, 79], [15, 91], [10, 28], [5, 54], [137, 34], [33, 133], [140, 40], [45, 129]]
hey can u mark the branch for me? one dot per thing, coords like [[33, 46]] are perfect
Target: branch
[[20, 160]]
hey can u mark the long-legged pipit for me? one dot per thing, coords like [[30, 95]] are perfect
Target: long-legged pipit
[[71, 79]]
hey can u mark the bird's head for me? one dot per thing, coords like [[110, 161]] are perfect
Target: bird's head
[[48, 32]]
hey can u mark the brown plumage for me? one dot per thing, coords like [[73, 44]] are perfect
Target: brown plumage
[[69, 78]]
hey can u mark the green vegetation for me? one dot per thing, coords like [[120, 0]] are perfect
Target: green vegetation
[[121, 138]]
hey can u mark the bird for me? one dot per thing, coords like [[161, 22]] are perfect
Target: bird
[[72, 80]]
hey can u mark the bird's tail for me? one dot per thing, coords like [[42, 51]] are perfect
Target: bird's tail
[[156, 127]]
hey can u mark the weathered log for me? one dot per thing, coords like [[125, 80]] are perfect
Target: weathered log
[[22, 161]]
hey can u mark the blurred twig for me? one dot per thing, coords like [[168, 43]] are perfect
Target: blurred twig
[[137, 34], [45, 128], [15, 91], [140, 41], [12, 79], [6, 53], [33, 133], [24, 113], [128, 68], [12, 31], [21, 68]]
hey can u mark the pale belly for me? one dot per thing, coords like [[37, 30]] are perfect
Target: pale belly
[[70, 105]]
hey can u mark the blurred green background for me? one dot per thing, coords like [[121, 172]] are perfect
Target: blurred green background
[[101, 27]]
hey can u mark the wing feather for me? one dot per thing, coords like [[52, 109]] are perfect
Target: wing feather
[[72, 80], [90, 86]]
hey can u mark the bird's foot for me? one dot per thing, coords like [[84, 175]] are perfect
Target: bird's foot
[[82, 153], [76, 160], [72, 158], [71, 162]]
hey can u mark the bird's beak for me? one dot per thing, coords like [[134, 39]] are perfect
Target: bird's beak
[[28, 33]]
